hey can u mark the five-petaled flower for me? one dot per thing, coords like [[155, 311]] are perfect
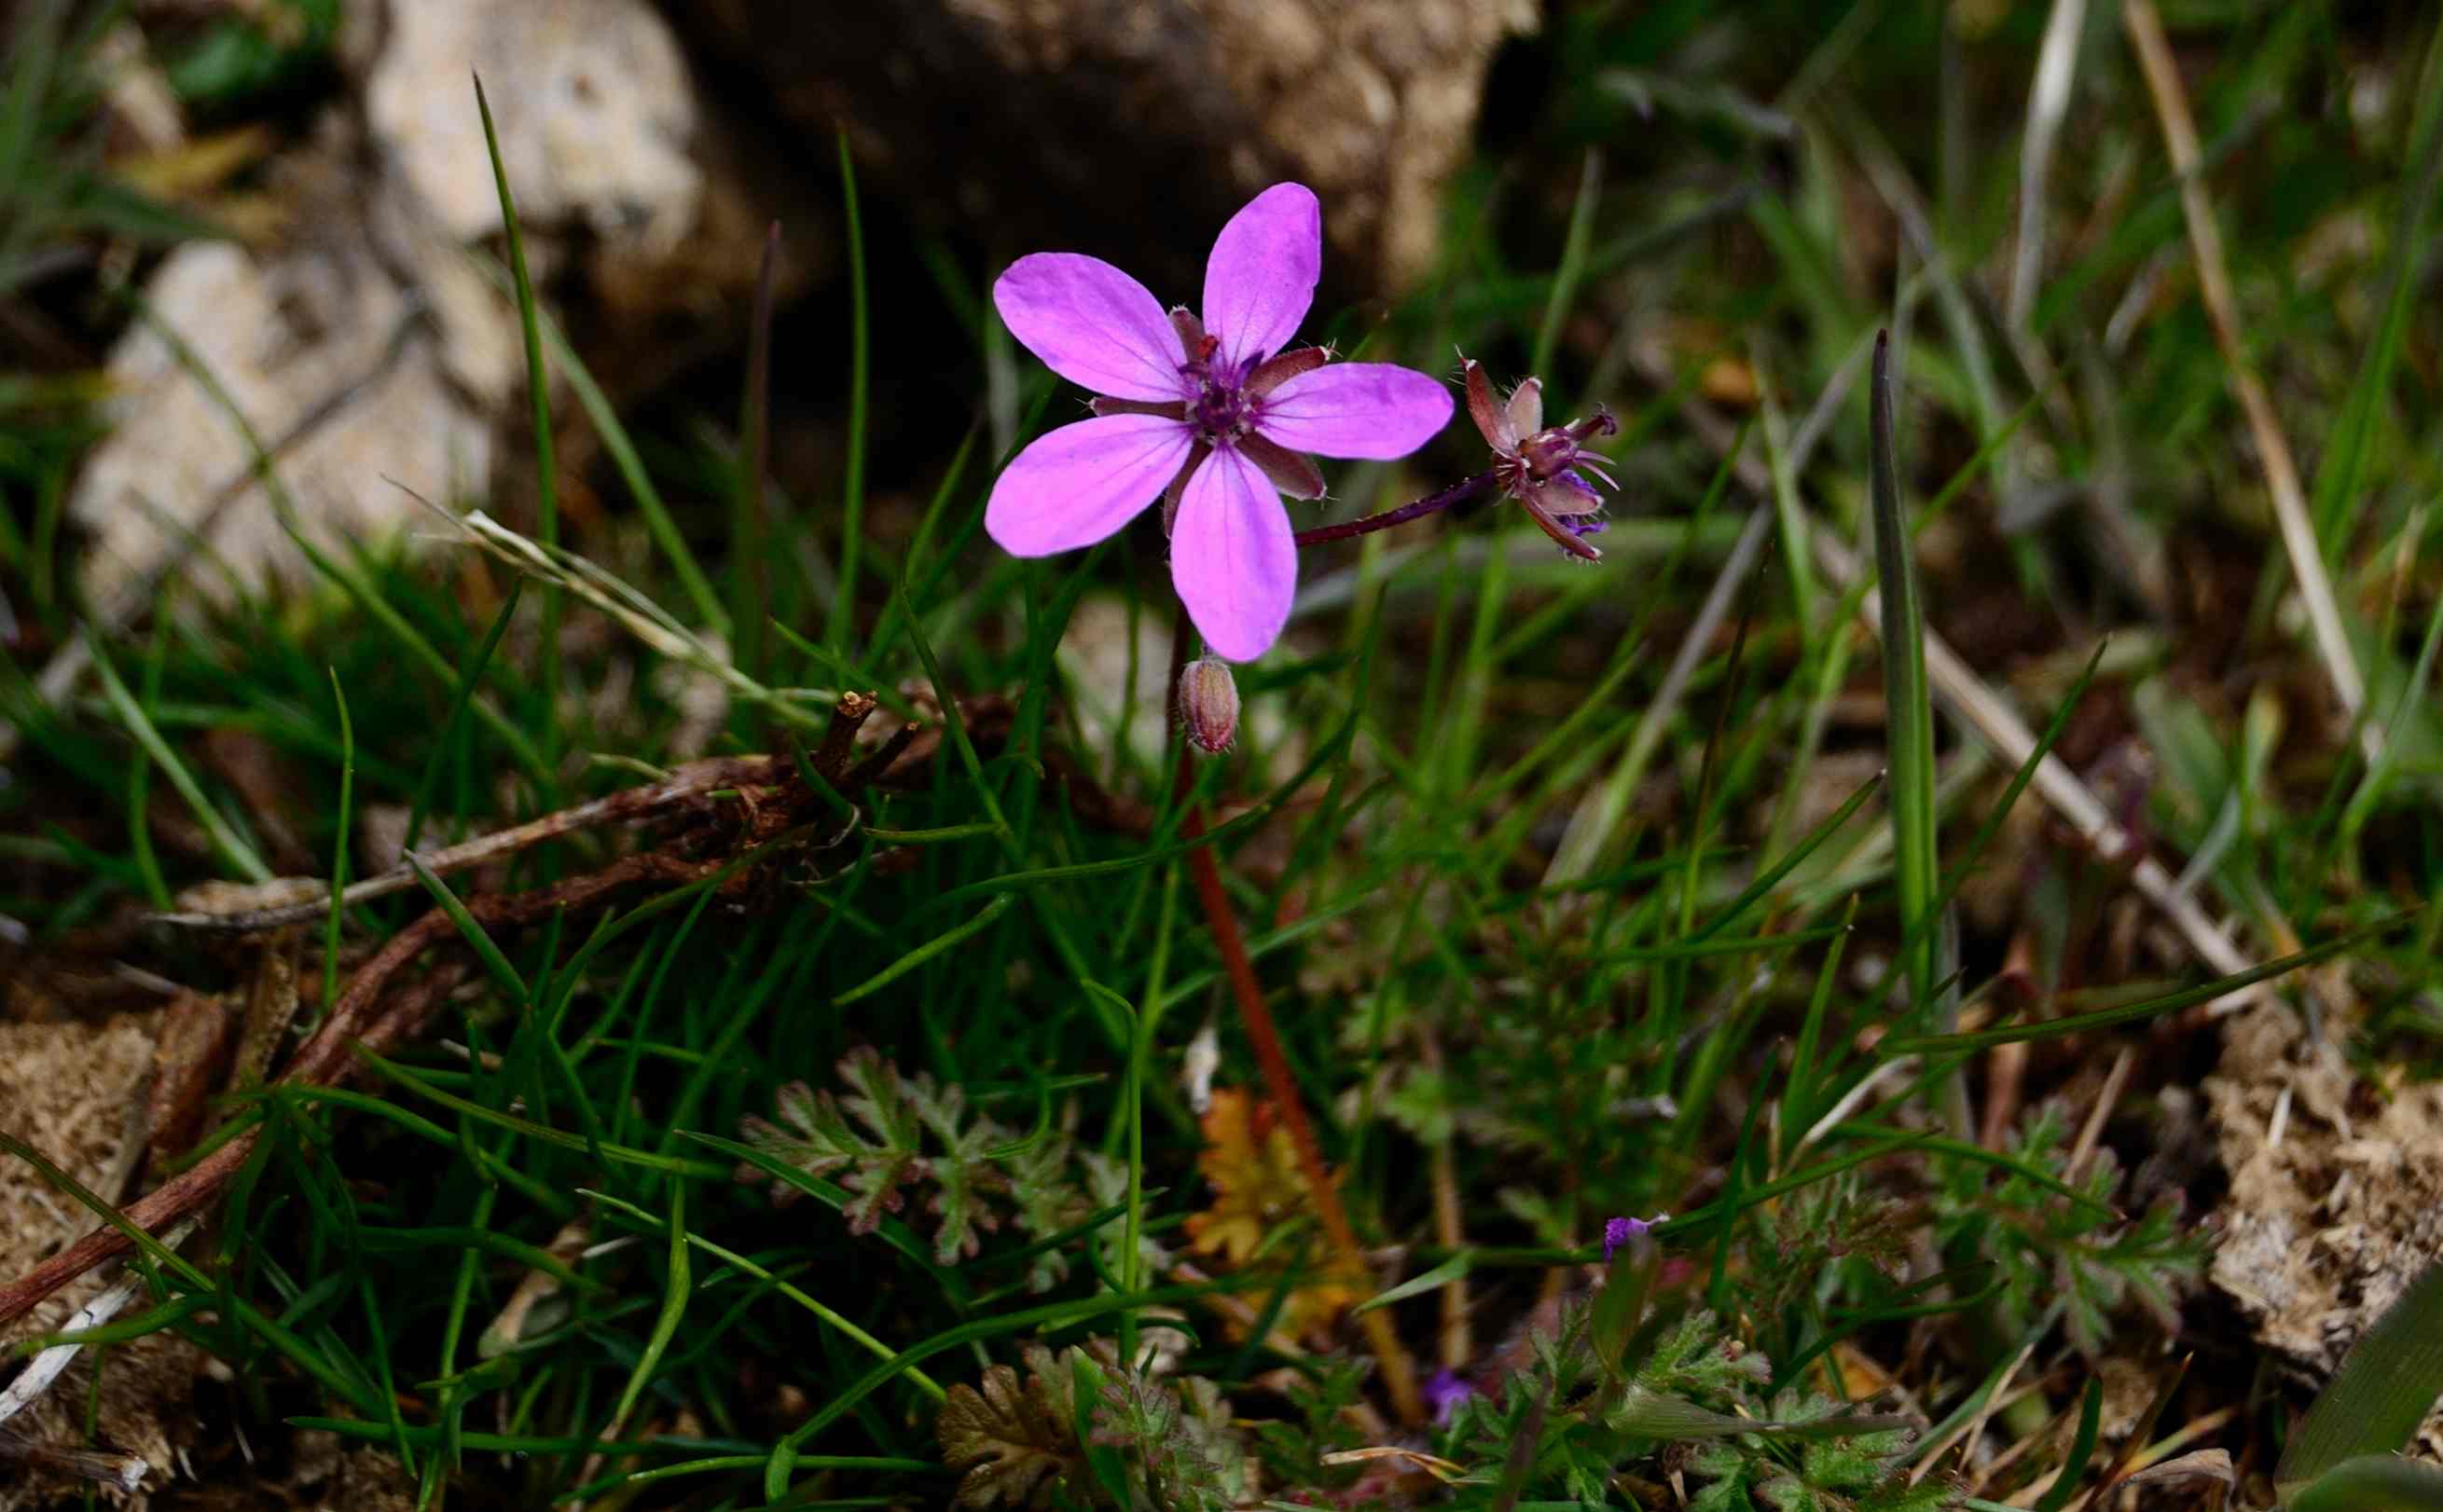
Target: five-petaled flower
[[1545, 470], [1209, 414]]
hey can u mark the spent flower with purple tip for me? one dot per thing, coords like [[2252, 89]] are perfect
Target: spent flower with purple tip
[[1547, 468], [1617, 1232], [1446, 1393], [1208, 414]]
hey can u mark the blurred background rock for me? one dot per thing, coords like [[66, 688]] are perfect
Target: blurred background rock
[[355, 311]]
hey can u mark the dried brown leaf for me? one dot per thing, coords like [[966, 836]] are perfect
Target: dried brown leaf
[[1015, 1440]]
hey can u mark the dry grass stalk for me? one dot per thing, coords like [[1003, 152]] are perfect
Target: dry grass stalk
[[2265, 428]]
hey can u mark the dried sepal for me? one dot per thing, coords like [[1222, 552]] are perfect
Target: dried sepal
[[1492, 420], [1166, 408], [1177, 489], [1274, 372], [1293, 474]]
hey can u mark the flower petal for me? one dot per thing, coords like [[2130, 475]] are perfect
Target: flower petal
[[1233, 557], [1356, 409], [1527, 406], [1262, 276], [1090, 324], [1556, 495], [1080, 483]]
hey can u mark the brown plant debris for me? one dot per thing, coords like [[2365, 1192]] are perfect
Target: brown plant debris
[[2336, 1194], [1012, 1436], [77, 1091]]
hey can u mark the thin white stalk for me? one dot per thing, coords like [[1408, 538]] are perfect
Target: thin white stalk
[[2272, 450], [45, 1368], [2047, 102]]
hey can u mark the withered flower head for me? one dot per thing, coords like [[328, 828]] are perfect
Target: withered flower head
[[1546, 469]]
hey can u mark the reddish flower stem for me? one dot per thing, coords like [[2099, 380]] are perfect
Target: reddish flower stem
[[1458, 492], [1399, 1369]]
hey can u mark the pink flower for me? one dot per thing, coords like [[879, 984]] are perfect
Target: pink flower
[[1210, 415]]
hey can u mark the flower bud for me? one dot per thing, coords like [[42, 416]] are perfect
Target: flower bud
[[1208, 704]]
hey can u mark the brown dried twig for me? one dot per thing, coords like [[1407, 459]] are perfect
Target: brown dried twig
[[101, 1467], [775, 810], [358, 1021], [687, 785]]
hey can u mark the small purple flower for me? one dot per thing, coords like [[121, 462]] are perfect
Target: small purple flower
[[1446, 1394], [1617, 1232], [1546, 470], [1209, 414]]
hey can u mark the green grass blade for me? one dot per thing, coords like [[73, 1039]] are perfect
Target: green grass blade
[[226, 843], [666, 1323], [2379, 778], [1991, 827], [1968, 1295], [140, 776], [2372, 1482], [894, 1232], [478, 939], [926, 951], [2150, 1008], [560, 1139], [1573, 262], [1048, 1318], [1755, 892], [2082, 1449], [546, 463], [2344, 472], [1434, 1279], [155, 1250], [2387, 1384], [470, 677], [1798, 1095], [621, 448], [1908, 712], [843, 616]]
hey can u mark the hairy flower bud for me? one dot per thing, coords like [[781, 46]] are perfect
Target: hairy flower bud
[[1208, 704]]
